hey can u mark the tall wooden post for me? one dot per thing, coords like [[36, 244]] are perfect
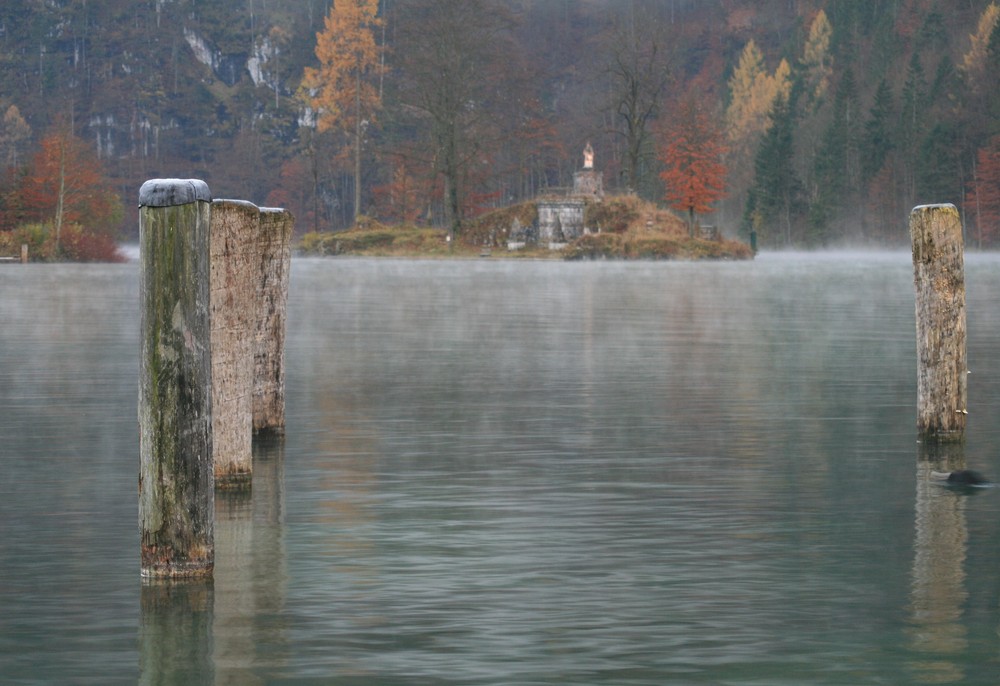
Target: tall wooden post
[[275, 254], [24, 253], [176, 484], [939, 280], [235, 268]]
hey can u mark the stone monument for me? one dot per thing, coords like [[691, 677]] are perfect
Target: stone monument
[[587, 182]]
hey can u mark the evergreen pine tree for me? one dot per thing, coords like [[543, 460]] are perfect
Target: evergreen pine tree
[[911, 125], [939, 167], [878, 136], [836, 165], [776, 190]]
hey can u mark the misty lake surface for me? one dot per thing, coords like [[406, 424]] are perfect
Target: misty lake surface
[[518, 473]]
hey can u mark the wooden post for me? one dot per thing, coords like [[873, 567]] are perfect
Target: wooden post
[[176, 484], [275, 254], [939, 280], [235, 268], [24, 253]]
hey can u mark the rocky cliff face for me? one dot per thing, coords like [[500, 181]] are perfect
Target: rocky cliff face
[[161, 86]]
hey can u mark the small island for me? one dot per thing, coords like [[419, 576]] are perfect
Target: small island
[[583, 224], [621, 227]]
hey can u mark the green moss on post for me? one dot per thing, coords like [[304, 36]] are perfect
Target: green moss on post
[[176, 483], [939, 280]]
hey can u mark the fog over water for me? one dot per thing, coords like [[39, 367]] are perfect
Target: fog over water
[[519, 472]]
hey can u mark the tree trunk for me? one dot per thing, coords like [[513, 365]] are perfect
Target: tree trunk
[[61, 197], [357, 145], [453, 203]]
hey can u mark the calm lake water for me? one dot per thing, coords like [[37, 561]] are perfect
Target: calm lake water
[[518, 473]]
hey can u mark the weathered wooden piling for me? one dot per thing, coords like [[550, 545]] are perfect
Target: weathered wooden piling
[[24, 253], [939, 280], [275, 255], [176, 483], [235, 271]]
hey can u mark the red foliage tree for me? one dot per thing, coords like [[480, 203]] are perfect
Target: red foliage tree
[[399, 200], [691, 149], [65, 185], [982, 198]]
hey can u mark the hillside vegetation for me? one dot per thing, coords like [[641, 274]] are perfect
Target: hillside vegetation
[[835, 117]]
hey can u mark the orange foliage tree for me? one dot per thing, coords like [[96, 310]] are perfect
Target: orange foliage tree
[[691, 149], [399, 200], [343, 89], [982, 198], [65, 185]]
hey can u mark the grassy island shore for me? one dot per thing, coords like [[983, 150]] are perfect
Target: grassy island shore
[[621, 227]]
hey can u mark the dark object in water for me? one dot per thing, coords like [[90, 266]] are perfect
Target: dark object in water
[[961, 477], [967, 477]]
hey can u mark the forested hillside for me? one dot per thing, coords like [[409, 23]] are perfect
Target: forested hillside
[[833, 118]]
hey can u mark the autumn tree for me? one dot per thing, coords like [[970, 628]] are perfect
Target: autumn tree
[[65, 185], [817, 60], [399, 199], [974, 61], [639, 66], [753, 93], [343, 87], [691, 149], [14, 136], [452, 58], [982, 199]]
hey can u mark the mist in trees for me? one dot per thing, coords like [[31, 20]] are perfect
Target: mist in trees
[[836, 118]]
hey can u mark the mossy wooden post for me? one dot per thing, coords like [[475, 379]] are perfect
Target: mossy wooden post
[[176, 484], [939, 280], [235, 227], [275, 255]]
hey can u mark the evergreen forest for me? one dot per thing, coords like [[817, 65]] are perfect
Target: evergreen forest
[[826, 121]]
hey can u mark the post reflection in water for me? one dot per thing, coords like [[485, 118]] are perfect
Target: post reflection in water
[[519, 473], [175, 632], [938, 593], [250, 577], [209, 632]]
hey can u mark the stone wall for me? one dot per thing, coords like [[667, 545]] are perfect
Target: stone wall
[[588, 182], [559, 221]]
